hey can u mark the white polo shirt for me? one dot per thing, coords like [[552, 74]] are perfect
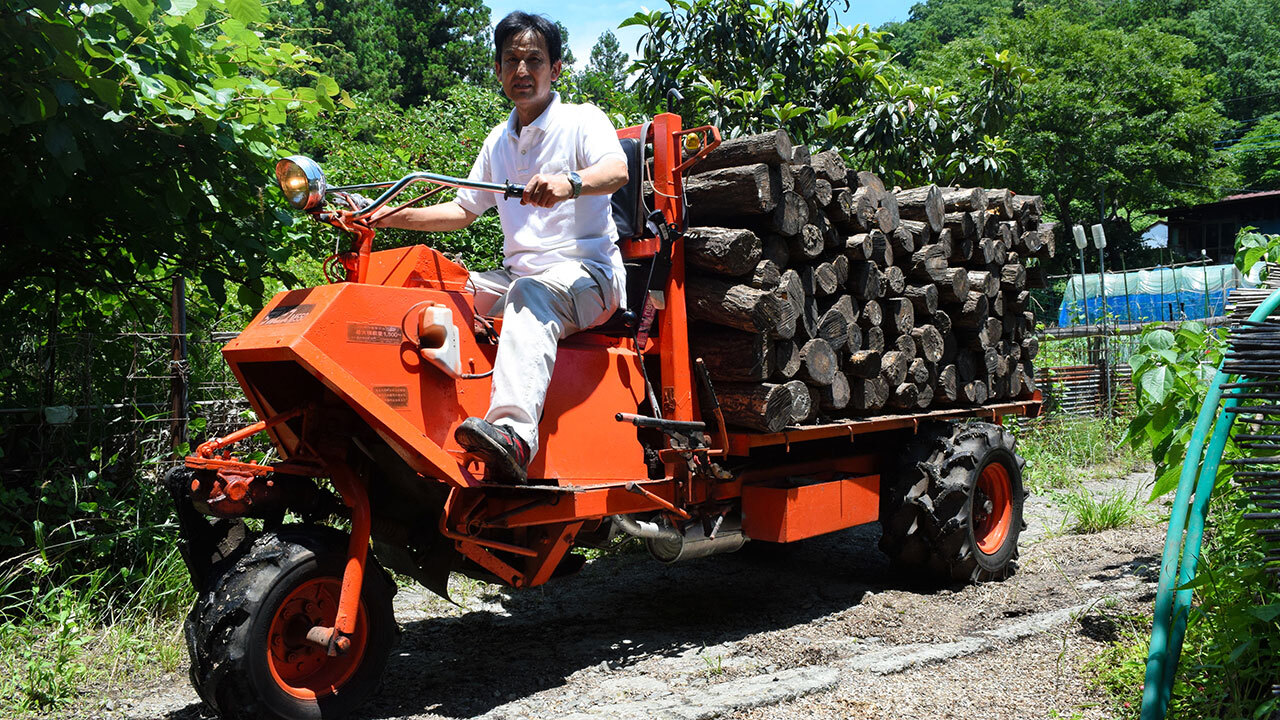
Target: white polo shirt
[[565, 137]]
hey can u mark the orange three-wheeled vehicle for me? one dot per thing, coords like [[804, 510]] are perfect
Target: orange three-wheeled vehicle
[[360, 384]]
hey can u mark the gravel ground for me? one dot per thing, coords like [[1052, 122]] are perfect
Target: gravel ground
[[821, 629]]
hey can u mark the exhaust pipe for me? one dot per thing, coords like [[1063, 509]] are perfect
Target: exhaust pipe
[[670, 545]]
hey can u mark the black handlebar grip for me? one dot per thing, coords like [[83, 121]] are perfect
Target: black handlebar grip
[[513, 191]]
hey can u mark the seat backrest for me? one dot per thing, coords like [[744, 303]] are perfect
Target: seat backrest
[[627, 214]]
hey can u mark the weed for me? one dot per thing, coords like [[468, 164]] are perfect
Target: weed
[[1090, 514], [1060, 450], [715, 665]]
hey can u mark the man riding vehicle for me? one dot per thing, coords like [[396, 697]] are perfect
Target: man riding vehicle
[[562, 270]]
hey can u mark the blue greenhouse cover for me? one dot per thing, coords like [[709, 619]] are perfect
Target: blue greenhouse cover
[[1157, 295]]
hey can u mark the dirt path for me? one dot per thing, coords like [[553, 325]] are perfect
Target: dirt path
[[818, 630]]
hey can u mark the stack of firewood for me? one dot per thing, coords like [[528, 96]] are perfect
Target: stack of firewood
[[815, 293]]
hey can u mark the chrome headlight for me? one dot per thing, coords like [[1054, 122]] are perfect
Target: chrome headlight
[[302, 182]]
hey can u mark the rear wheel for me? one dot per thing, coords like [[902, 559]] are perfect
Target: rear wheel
[[954, 508], [247, 633]]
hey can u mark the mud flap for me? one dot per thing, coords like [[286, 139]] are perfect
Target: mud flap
[[203, 542]]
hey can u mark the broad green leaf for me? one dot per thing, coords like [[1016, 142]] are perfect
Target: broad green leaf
[[1156, 383], [181, 7], [1159, 339], [247, 11]]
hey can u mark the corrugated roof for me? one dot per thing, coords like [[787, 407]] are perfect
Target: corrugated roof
[[1244, 196], [1226, 200]]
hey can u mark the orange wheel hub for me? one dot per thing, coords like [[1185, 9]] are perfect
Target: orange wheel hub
[[300, 667], [992, 508]]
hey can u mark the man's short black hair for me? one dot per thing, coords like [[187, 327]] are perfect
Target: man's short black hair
[[516, 23]]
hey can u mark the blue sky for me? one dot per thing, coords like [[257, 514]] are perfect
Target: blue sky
[[586, 19]]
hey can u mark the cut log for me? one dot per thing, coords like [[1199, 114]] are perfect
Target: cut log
[[1028, 208], [953, 284], [893, 367], [835, 397], [972, 313], [801, 402], [790, 293], [945, 388], [924, 396], [873, 339], [833, 326], [809, 311], [790, 214], [923, 297], [806, 244], [920, 233], [899, 316], [863, 364], [857, 247], [841, 265], [806, 182], [865, 282], [961, 225], [868, 395], [739, 306], [727, 251], [984, 282], [732, 354], [826, 279], [818, 362], [889, 204], [1013, 277], [1001, 202], [864, 179], [924, 204], [865, 204], [928, 341], [927, 264], [906, 345], [961, 248], [903, 242], [904, 396], [756, 406], [766, 275], [800, 155], [786, 359], [973, 392], [881, 249], [822, 192], [895, 281], [829, 166], [964, 199], [746, 190], [774, 148], [918, 371], [872, 314]]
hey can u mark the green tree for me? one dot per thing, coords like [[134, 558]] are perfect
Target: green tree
[[139, 139], [752, 64], [931, 25], [1116, 121], [1256, 155], [603, 82], [399, 50]]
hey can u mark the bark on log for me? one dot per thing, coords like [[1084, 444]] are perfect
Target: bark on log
[[740, 306], [756, 406], [766, 275], [732, 191], [881, 248], [868, 395], [953, 285], [857, 247], [903, 242], [928, 264], [1001, 201], [924, 204], [805, 181], [984, 282], [961, 225], [786, 359], [833, 327], [728, 251], [973, 312], [889, 204], [1013, 277], [791, 294], [863, 178], [733, 355], [829, 166], [774, 148], [900, 316], [923, 297], [964, 199], [863, 364]]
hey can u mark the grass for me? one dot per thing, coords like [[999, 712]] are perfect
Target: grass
[[1063, 451], [1087, 513]]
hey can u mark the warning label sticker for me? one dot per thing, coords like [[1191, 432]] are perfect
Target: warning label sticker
[[397, 396], [285, 314], [374, 334]]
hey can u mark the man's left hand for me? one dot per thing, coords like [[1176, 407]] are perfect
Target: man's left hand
[[546, 190]]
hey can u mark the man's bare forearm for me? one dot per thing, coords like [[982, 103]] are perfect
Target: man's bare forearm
[[604, 177], [435, 218]]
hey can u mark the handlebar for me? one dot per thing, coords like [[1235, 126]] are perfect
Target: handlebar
[[394, 188]]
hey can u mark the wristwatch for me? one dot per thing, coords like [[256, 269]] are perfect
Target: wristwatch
[[575, 182]]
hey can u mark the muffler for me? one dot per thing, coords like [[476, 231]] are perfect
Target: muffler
[[670, 545]]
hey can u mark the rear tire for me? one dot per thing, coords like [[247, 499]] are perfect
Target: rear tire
[[954, 507], [249, 656]]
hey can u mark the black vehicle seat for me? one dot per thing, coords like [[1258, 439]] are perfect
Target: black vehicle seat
[[630, 217]]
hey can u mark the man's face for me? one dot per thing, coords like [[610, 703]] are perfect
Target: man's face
[[526, 70]]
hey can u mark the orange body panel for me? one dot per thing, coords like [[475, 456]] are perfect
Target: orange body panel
[[352, 338], [792, 502]]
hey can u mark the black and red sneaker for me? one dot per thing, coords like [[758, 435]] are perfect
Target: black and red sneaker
[[504, 453]]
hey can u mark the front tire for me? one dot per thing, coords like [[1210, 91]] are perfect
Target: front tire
[[246, 634], [954, 510]]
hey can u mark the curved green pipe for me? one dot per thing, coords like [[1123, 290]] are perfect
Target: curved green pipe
[[1166, 637]]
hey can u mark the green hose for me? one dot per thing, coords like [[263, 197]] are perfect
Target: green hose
[[1172, 606]]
